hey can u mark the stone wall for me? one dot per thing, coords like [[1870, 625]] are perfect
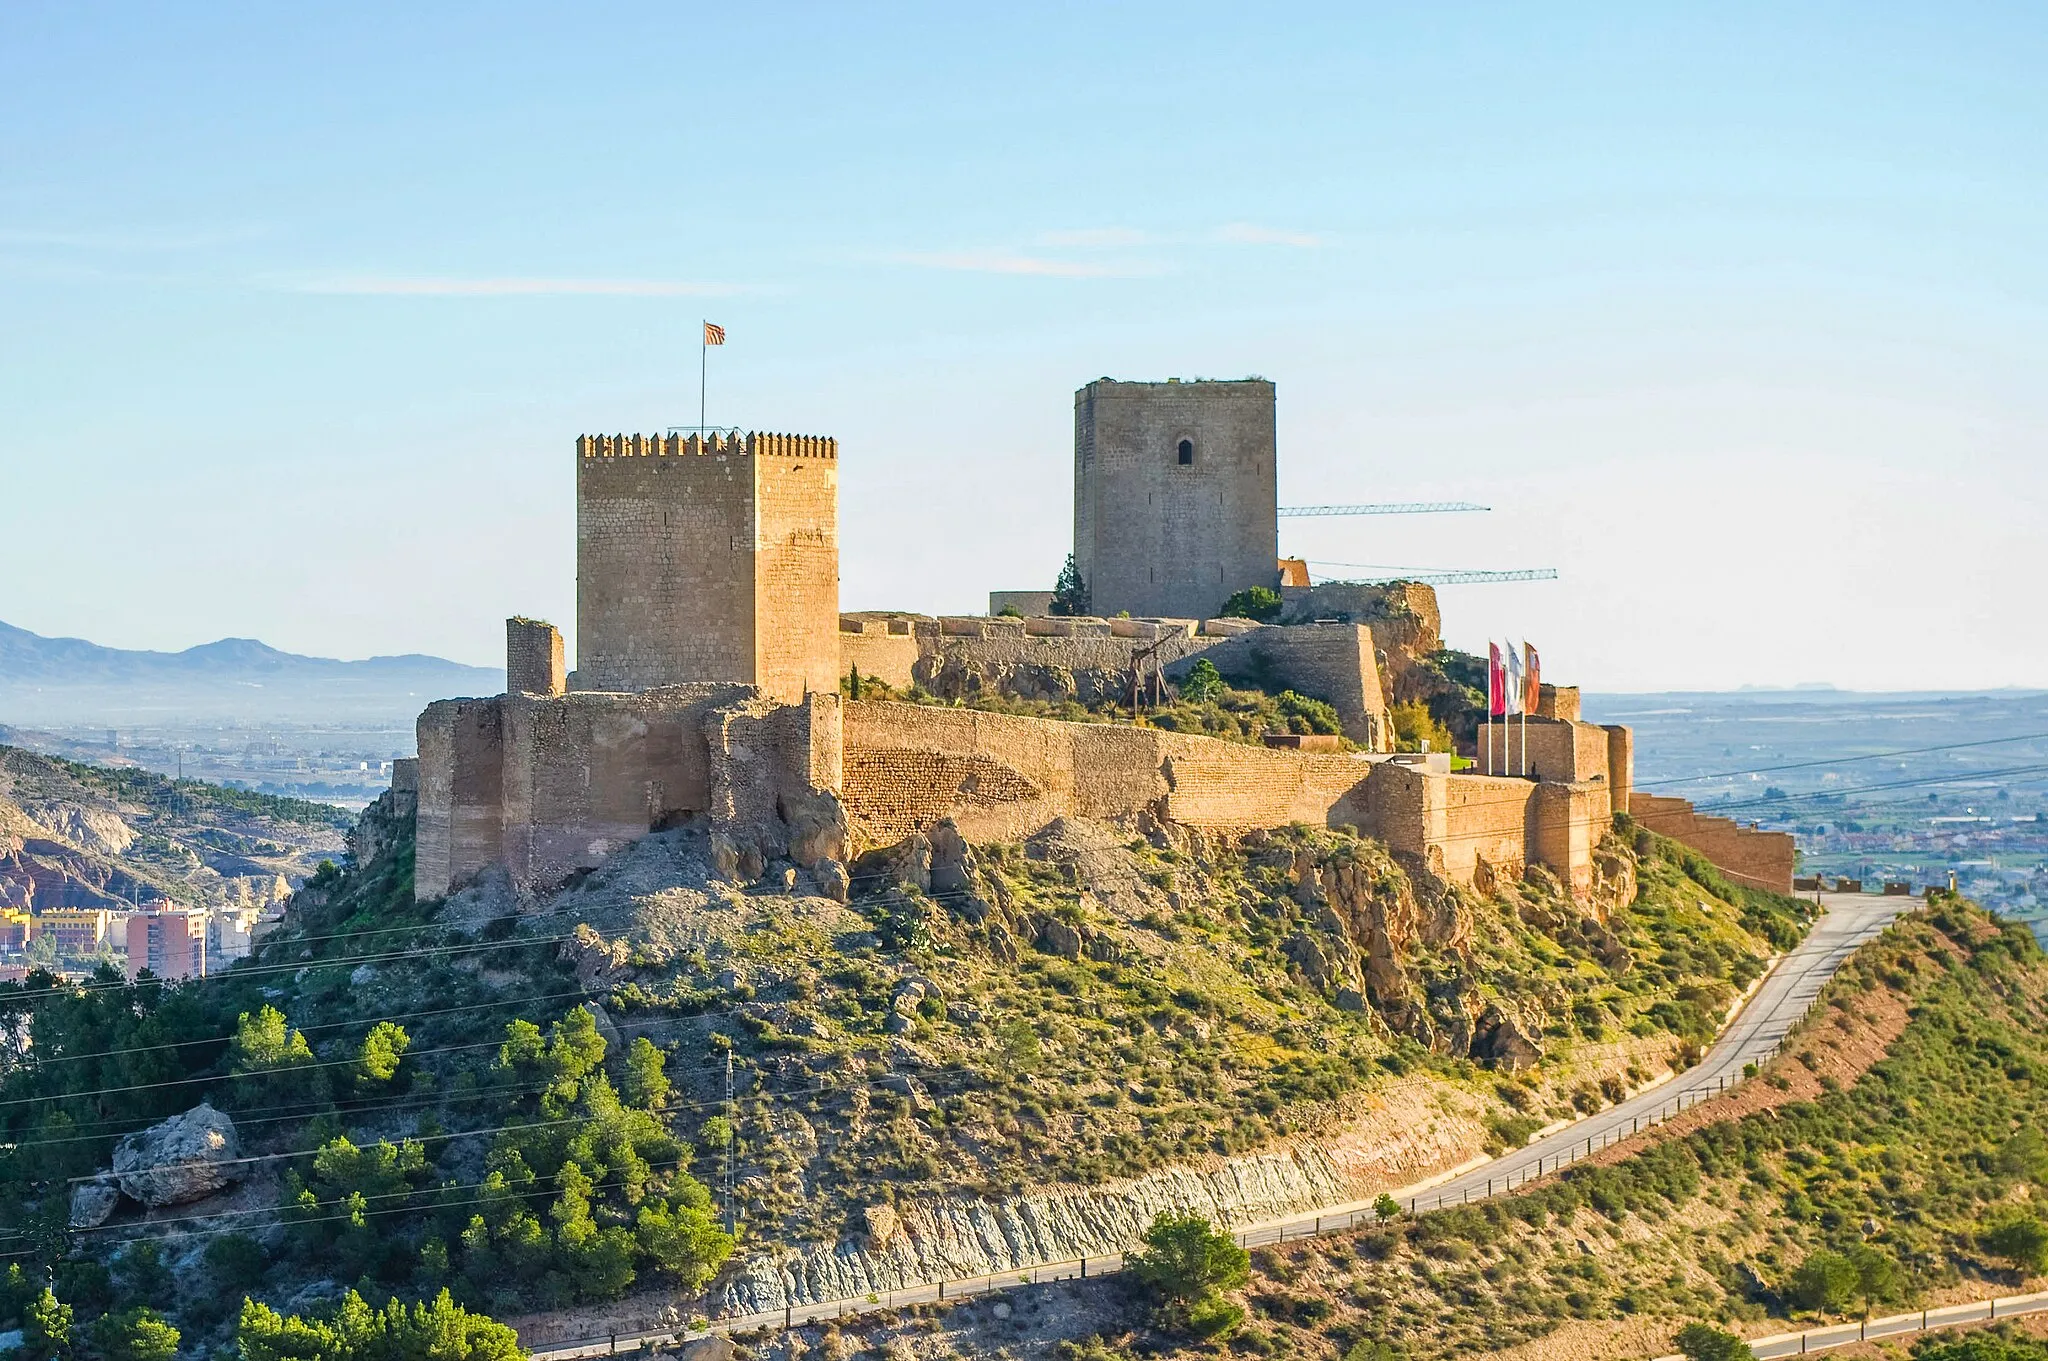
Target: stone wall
[[707, 560], [1544, 748], [1002, 777], [1407, 628], [1092, 659], [1157, 536], [548, 786], [533, 658], [1746, 854]]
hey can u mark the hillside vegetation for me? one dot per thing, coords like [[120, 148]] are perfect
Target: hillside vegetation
[[1851, 1176], [524, 1103]]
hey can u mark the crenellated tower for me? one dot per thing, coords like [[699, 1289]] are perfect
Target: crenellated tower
[[707, 558]]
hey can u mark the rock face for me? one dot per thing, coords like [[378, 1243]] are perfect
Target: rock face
[[952, 1238], [186, 1158], [93, 1202]]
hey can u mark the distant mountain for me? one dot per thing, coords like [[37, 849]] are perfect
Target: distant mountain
[[70, 680]]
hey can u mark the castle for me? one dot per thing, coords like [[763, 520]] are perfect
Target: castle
[[711, 649]]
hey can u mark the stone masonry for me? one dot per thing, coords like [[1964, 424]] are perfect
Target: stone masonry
[[709, 559], [1175, 501]]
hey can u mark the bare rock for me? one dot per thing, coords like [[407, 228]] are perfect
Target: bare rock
[[713, 1347], [1500, 1039], [1055, 937], [817, 828], [881, 1224], [93, 1202], [185, 1158], [907, 864], [832, 879]]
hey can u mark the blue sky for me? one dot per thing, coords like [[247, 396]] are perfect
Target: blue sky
[[1736, 315]]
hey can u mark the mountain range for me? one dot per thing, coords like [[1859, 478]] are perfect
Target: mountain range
[[61, 680]]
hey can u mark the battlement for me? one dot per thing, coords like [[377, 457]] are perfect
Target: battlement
[[749, 444]]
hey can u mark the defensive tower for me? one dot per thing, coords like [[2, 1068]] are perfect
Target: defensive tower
[[707, 558], [1175, 503]]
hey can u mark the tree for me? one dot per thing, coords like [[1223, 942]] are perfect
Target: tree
[[377, 1061], [1203, 682], [682, 1236], [2025, 1155], [1188, 1265], [272, 1061], [142, 1278], [1070, 592], [1414, 724], [1825, 1282], [133, 1335], [236, 1261], [646, 1078], [2020, 1239], [1253, 602], [1385, 1206], [1878, 1278], [438, 1331], [46, 1328], [1704, 1342]]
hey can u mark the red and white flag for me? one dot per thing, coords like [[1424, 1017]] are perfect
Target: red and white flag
[[1514, 678], [713, 335], [1496, 682], [1532, 679]]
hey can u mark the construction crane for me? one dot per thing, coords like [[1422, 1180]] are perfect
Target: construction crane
[[1437, 576], [1383, 508]]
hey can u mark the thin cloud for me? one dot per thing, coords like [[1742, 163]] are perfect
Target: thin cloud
[[1251, 234], [428, 287], [1006, 262]]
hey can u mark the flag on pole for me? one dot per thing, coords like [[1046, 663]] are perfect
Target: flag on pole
[[1496, 683], [1514, 679], [1532, 679], [713, 335]]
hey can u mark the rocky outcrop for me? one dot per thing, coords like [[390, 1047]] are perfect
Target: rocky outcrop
[[93, 1202], [186, 1158], [951, 1238]]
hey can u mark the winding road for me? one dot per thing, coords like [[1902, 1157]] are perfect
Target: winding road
[[1850, 920]]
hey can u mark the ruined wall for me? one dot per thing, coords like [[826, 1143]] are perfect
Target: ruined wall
[[1568, 822], [547, 786], [1159, 537], [533, 658], [1406, 624], [707, 560], [1757, 858], [1621, 766]]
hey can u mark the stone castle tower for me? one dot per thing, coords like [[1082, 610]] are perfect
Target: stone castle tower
[[707, 559], [1175, 503]]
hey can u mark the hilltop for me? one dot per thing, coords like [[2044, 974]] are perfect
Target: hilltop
[[1066, 1033]]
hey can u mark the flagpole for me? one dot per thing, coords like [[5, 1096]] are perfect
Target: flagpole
[[703, 370]]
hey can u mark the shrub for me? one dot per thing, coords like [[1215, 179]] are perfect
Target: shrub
[[2021, 1239], [1704, 1342], [1825, 1282], [1253, 602]]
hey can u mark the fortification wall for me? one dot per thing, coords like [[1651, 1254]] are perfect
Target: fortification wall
[[1003, 777], [1091, 659], [1746, 854], [707, 560], [545, 786], [1406, 624], [1161, 537], [1621, 766], [1568, 822], [1556, 750]]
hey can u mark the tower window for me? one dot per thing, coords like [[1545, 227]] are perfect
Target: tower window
[[1186, 452]]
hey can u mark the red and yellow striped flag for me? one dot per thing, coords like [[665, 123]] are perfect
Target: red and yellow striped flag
[[713, 335]]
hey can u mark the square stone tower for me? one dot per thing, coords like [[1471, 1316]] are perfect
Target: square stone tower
[[707, 559], [1175, 503]]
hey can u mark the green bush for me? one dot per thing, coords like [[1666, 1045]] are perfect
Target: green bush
[[1704, 1342], [1186, 1265], [1253, 602]]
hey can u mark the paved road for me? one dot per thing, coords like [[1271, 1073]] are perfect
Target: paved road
[[1897, 1325], [1851, 920]]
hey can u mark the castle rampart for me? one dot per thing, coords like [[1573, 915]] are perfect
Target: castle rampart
[[707, 559], [534, 658], [1745, 854]]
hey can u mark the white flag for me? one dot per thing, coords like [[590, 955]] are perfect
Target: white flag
[[1514, 660]]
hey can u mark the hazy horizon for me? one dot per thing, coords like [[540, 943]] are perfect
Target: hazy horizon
[[1737, 318]]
